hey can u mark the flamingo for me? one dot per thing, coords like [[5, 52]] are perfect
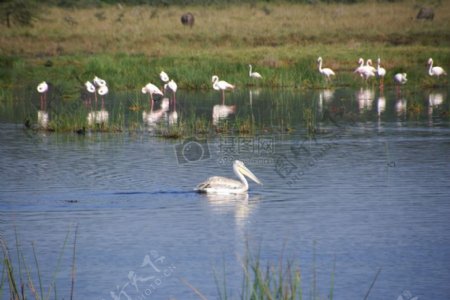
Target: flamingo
[[42, 88], [360, 69], [91, 89], [253, 74], [221, 86], [171, 85], [381, 72], [99, 82], [327, 72], [102, 91], [151, 89], [400, 79], [435, 71], [164, 77]]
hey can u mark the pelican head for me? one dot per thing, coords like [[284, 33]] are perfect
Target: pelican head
[[240, 168]]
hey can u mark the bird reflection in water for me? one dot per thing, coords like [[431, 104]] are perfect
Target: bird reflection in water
[[42, 114], [152, 117], [365, 99], [241, 205], [434, 101], [222, 112]]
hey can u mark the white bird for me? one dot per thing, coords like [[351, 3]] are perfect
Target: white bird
[[151, 89], [172, 86], [327, 72], [102, 91], [42, 89], [435, 71], [381, 72], [400, 78], [253, 74], [164, 77], [221, 86], [223, 185], [360, 69], [89, 87], [99, 82]]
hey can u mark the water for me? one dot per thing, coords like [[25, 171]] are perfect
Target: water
[[367, 193]]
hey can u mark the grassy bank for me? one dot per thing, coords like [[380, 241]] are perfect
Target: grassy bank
[[129, 45]]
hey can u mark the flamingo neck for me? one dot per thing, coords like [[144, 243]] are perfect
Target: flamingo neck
[[320, 66], [250, 71], [430, 70]]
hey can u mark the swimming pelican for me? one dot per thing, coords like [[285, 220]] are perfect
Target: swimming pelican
[[99, 82], [151, 89], [42, 88], [381, 72], [435, 71], [223, 185], [327, 72], [171, 85], [221, 86], [164, 77], [253, 74]]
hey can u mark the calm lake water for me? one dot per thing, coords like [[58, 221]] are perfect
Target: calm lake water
[[354, 181]]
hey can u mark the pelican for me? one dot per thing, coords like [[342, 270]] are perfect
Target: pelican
[[221, 85], [151, 89], [99, 82], [253, 74], [223, 185], [164, 77], [435, 71], [327, 72], [42, 88], [381, 72], [171, 85]]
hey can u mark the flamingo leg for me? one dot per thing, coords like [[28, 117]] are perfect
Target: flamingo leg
[[223, 97]]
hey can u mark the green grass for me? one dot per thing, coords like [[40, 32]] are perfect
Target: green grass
[[21, 278], [282, 40]]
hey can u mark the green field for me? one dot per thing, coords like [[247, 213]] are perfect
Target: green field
[[129, 45]]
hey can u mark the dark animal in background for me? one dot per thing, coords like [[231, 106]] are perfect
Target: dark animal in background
[[188, 19], [426, 13]]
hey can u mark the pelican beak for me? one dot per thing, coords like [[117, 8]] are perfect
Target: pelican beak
[[249, 174]]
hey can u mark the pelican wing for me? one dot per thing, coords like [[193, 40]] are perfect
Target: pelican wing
[[218, 184]]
